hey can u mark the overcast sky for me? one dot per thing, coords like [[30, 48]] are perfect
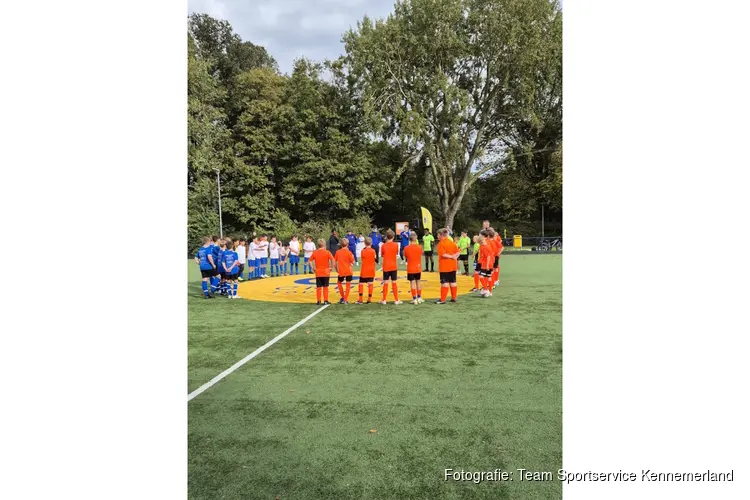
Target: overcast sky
[[289, 29]]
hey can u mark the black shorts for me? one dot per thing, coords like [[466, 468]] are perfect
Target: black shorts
[[448, 277], [224, 276], [497, 263], [393, 275], [207, 273], [322, 281], [217, 272], [347, 278], [366, 280], [233, 276], [463, 257], [414, 276], [485, 273], [477, 266], [428, 253]]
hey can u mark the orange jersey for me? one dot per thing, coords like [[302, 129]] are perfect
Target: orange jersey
[[499, 241], [322, 259], [486, 256], [368, 263], [493, 246], [413, 255], [389, 251], [446, 246], [344, 260]]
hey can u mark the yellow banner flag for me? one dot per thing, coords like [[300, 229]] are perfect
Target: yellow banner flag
[[426, 219]]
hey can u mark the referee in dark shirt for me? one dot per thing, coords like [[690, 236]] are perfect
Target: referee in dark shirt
[[333, 242]]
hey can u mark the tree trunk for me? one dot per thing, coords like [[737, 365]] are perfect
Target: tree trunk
[[451, 212], [449, 216], [450, 199]]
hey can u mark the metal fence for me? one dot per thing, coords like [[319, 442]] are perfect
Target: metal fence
[[547, 244]]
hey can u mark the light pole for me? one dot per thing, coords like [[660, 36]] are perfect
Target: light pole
[[218, 187]]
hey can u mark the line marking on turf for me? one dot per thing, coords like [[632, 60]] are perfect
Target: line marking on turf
[[250, 356]]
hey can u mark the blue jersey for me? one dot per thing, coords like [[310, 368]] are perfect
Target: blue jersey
[[202, 255], [229, 257], [376, 241], [405, 238], [352, 243], [219, 259], [216, 252]]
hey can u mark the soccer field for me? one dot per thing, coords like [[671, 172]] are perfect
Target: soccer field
[[475, 385]]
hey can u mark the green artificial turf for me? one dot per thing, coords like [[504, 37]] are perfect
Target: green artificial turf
[[475, 385]]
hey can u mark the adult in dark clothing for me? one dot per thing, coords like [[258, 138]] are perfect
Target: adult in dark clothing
[[333, 242]]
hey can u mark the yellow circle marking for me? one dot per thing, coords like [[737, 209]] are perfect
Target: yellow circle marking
[[300, 288]]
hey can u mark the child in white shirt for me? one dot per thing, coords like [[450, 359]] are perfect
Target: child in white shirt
[[360, 246], [241, 257], [309, 248], [294, 255], [274, 250], [261, 254], [253, 266]]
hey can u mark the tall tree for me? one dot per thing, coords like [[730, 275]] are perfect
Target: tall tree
[[224, 51], [323, 168], [209, 146], [452, 79]]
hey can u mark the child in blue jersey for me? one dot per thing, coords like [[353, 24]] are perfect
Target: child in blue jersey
[[405, 235], [230, 265], [205, 260], [351, 240], [222, 274], [216, 278]]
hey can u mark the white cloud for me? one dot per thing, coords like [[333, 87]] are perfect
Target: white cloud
[[214, 8], [289, 29]]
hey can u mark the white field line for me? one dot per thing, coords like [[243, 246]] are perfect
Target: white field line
[[250, 356]]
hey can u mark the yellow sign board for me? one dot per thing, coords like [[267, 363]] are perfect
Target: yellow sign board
[[426, 219]]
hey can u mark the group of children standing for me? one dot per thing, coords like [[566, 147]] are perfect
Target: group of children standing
[[448, 252], [221, 263]]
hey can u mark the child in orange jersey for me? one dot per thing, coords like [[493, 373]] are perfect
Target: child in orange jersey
[[477, 263], [492, 243], [498, 250], [321, 262], [390, 252], [344, 259], [367, 273], [447, 254], [413, 256], [486, 259]]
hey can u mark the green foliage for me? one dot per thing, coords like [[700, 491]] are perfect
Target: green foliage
[[282, 226], [453, 79], [446, 104], [323, 166], [223, 50]]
